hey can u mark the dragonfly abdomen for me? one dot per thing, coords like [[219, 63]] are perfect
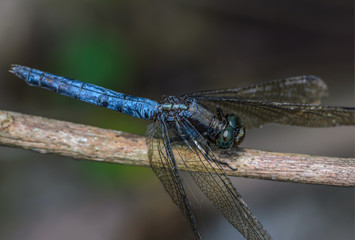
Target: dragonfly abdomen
[[134, 106]]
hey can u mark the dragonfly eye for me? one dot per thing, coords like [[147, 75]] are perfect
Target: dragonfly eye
[[234, 120], [226, 138]]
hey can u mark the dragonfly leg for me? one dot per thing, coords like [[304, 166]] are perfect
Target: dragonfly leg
[[220, 115], [225, 164], [221, 162]]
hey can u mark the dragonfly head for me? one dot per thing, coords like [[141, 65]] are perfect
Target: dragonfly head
[[233, 134]]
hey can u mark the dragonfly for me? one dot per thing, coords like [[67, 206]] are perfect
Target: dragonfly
[[189, 127]]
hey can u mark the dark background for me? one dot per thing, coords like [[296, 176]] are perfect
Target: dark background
[[154, 48]]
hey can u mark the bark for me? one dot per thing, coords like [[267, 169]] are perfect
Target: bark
[[91, 143]]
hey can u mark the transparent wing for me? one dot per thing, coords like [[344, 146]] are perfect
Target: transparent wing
[[302, 89], [286, 101], [256, 113], [214, 183], [164, 166]]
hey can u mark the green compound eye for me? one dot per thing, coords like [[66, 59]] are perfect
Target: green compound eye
[[234, 121], [226, 138]]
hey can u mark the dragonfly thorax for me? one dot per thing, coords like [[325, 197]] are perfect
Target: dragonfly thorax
[[225, 131]]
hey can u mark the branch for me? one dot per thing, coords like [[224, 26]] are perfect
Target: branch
[[91, 143]]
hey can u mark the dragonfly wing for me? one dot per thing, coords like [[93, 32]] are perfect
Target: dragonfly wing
[[164, 166], [255, 113], [215, 184], [302, 89]]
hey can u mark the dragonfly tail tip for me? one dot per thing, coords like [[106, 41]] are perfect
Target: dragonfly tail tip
[[14, 68]]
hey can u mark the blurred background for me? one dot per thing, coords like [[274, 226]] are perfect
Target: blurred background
[[155, 48]]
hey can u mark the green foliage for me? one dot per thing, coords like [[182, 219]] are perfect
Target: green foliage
[[116, 176], [94, 56]]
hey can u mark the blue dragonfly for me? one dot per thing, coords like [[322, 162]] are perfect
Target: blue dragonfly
[[186, 128]]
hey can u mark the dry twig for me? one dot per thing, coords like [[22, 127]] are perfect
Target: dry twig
[[91, 143]]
